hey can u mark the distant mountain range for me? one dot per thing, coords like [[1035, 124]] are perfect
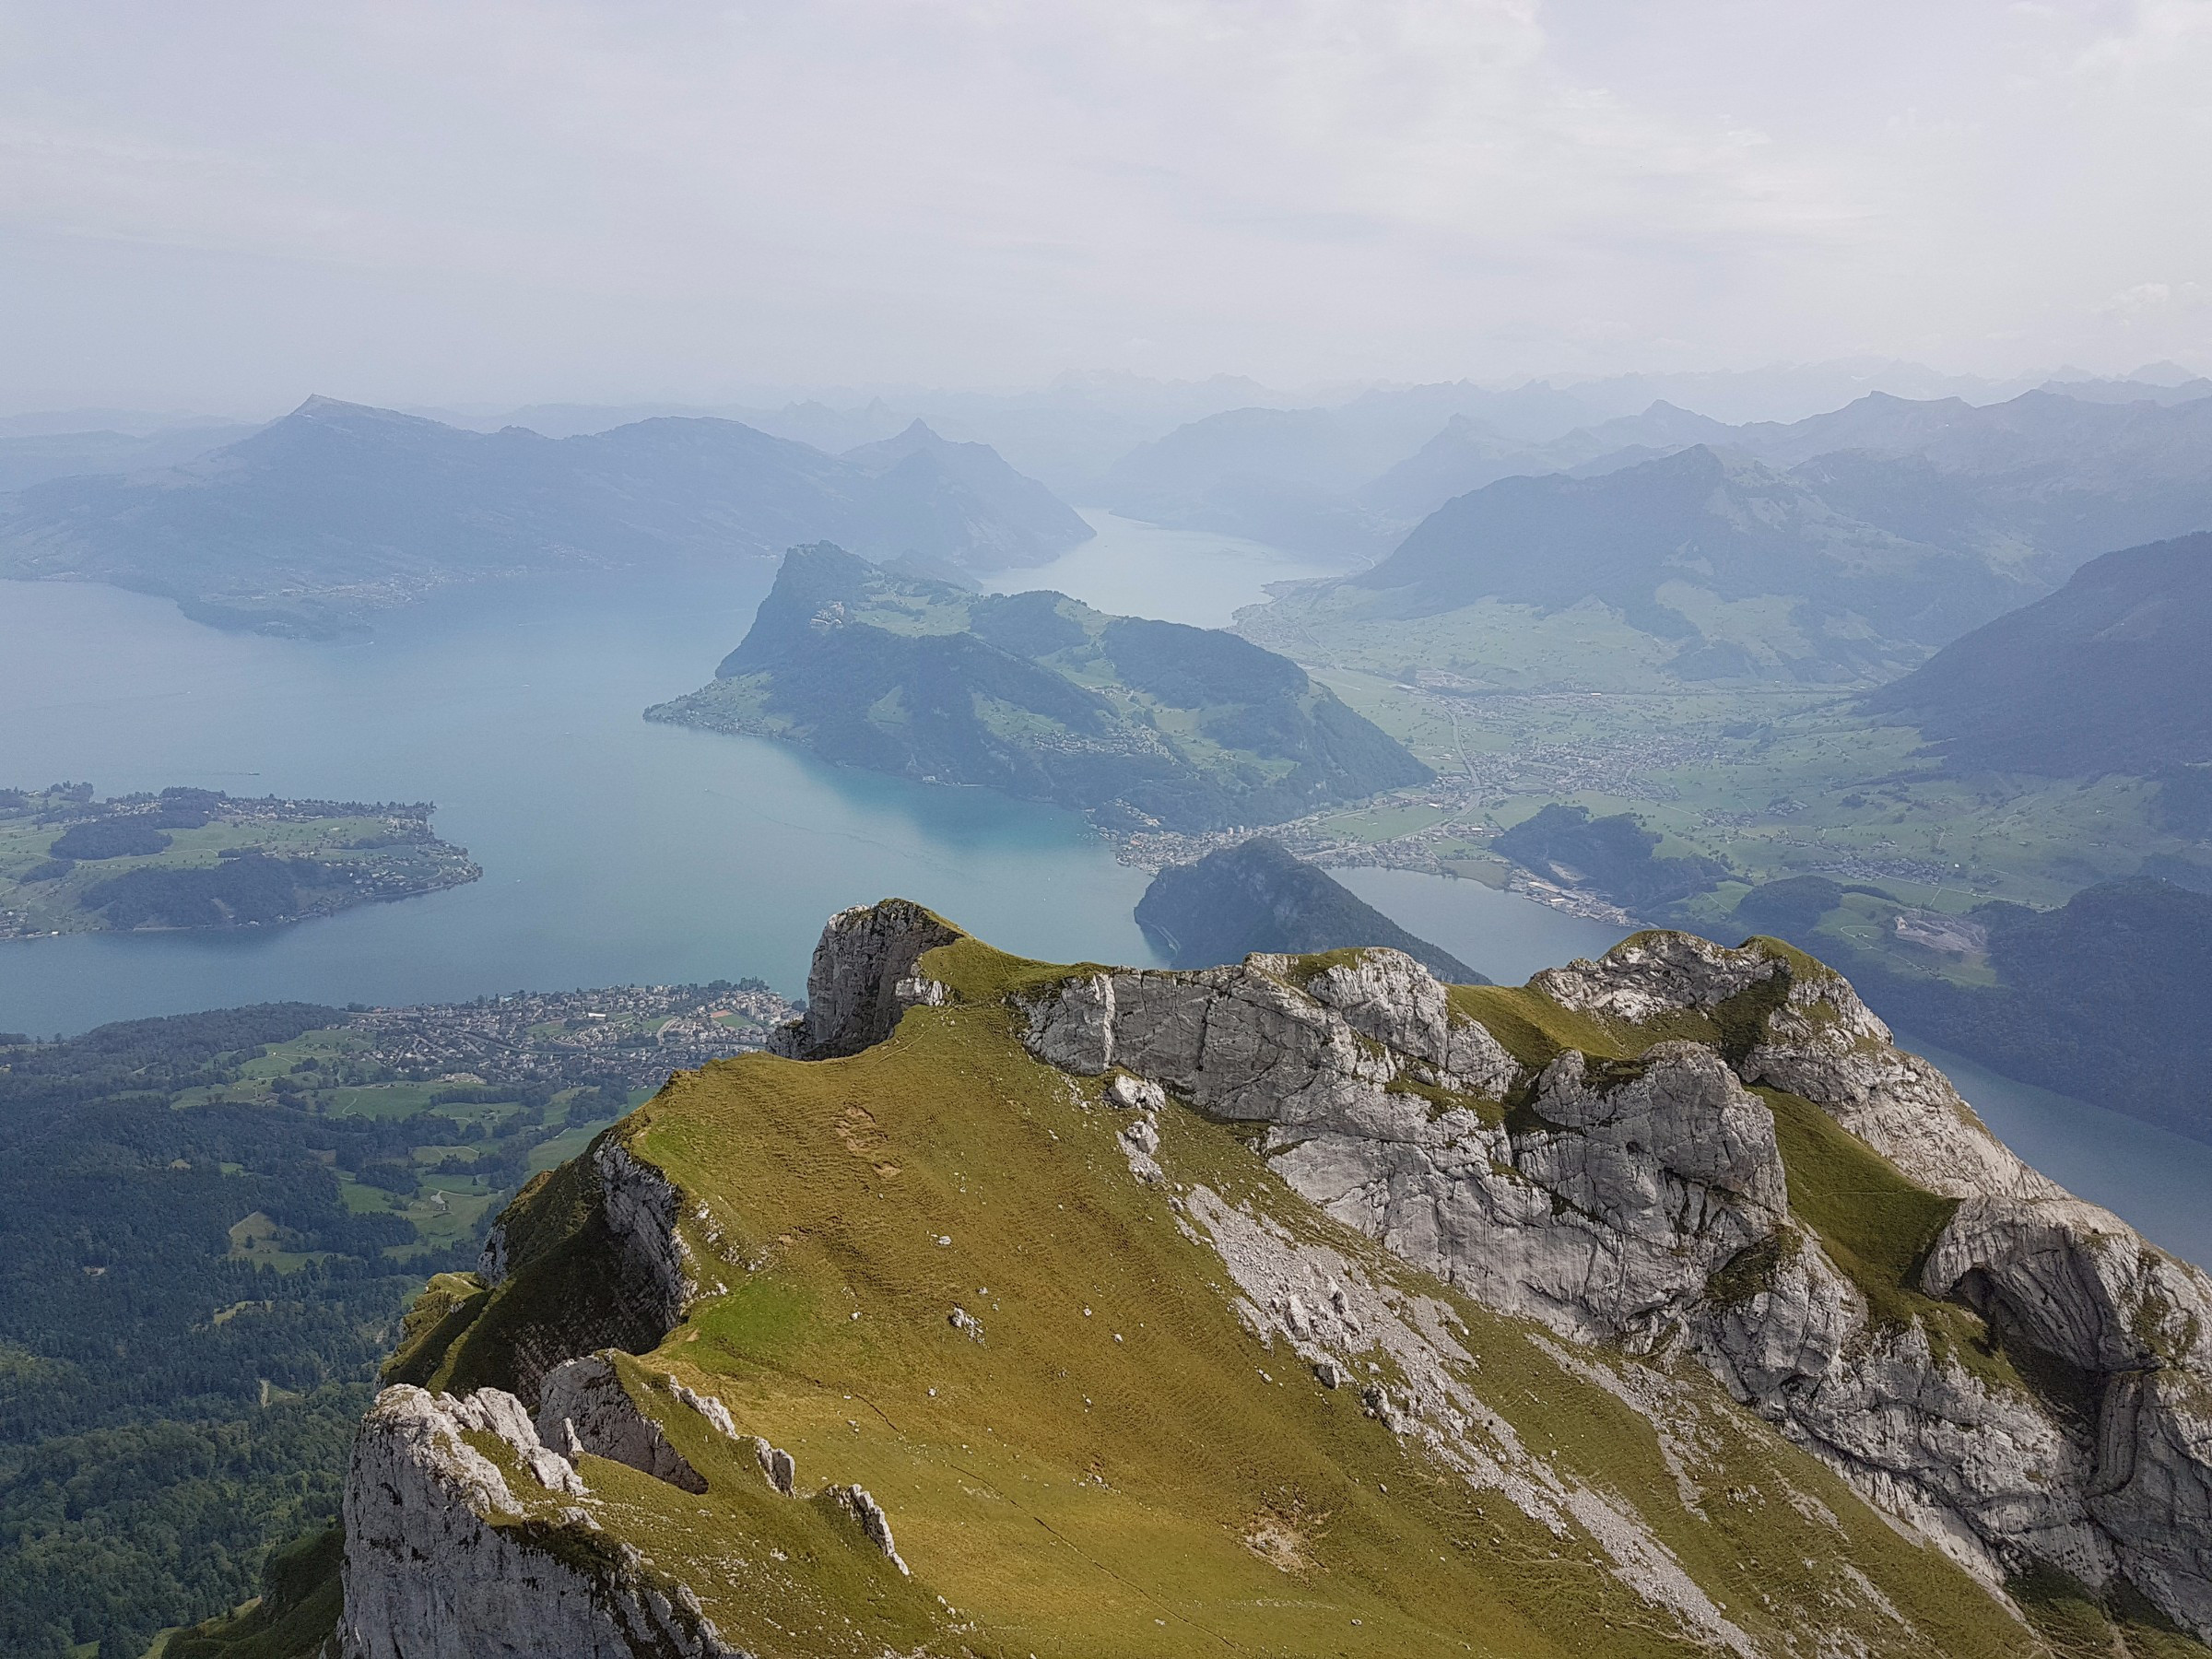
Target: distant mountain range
[[1862, 539], [2107, 675], [1284, 476], [338, 510], [1140, 723], [28, 458], [2073, 468], [1662, 542]]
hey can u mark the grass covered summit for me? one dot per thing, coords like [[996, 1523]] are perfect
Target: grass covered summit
[[1139, 723]]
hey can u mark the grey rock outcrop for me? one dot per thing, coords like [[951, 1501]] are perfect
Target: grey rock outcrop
[[640, 1207], [863, 979], [2131, 1331], [1605, 1214], [777, 1464], [646, 1282], [446, 1561], [875, 1524], [1646, 1203], [585, 1400]]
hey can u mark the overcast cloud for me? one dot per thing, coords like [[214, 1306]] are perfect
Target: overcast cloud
[[225, 205]]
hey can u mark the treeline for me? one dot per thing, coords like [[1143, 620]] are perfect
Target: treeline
[[159, 1055], [112, 1534]]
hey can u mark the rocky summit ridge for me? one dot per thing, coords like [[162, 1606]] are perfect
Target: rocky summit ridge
[[1302, 1306]]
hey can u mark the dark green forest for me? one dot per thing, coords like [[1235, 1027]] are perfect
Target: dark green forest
[[176, 1397]]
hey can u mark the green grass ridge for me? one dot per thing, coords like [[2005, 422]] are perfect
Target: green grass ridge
[[1181, 1490]]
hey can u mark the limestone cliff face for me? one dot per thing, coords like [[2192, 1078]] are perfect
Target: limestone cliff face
[[1647, 1201], [1686, 1163], [448, 1557], [863, 979]]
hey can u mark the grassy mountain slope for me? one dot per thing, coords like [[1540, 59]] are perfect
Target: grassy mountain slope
[[1138, 722], [2105, 675], [1725, 530], [210, 1225], [1113, 1463]]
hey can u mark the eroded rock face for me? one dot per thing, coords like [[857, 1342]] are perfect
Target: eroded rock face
[[2131, 1331], [1648, 1204], [645, 1285], [642, 1206], [863, 979], [1604, 1212], [444, 1561], [582, 1401]]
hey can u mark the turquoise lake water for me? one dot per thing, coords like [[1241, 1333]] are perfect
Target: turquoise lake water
[[613, 850], [616, 851]]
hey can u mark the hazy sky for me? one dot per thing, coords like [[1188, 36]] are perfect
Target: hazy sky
[[228, 204]]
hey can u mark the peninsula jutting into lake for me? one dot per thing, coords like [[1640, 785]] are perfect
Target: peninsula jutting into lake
[[197, 858]]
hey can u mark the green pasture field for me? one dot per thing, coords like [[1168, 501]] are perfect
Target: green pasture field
[[1772, 783]]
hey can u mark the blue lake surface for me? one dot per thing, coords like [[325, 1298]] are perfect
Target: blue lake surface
[[614, 850], [1133, 568], [618, 851], [1501, 935]]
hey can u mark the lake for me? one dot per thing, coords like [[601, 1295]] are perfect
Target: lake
[[614, 851], [1133, 568], [619, 852]]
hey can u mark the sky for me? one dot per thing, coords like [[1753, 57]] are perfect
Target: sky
[[229, 204]]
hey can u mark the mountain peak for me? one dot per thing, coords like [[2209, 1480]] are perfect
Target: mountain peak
[[335, 412]]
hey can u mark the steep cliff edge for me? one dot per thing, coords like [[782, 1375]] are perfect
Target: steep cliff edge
[[1306, 1306]]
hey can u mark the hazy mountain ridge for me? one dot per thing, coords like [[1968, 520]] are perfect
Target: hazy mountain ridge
[[2105, 675], [36, 457], [1863, 600], [1872, 535], [1016, 1308], [1349, 479], [1138, 723], [1257, 895], [338, 510]]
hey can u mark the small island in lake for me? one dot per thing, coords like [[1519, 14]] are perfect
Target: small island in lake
[[70, 862]]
